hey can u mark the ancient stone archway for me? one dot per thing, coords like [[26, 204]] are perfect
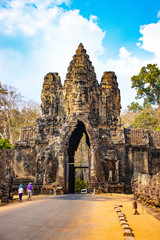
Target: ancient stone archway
[[70, 164], [82, 105]]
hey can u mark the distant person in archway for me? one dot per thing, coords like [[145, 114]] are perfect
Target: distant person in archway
[[20, 192], [29, 191]]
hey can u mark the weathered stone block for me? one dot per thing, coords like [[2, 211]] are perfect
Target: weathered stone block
[[127, 232]]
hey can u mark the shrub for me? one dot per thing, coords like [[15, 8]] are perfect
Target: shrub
[[5, 144], [79, 184]]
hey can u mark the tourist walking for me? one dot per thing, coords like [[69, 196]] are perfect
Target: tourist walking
[[29, 191], [20, 192]]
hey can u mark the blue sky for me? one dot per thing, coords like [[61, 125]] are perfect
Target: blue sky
[[41, 36], [121, 19]]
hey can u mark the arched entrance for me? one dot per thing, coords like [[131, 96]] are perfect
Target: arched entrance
[[72, 165]]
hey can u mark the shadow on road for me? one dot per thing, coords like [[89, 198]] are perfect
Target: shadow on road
[[89, 197]]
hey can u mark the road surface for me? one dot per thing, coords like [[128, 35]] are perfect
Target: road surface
[[75, 217], [53, 218]]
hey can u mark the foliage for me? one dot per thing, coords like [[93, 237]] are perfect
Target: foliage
[[148, 118], [5, 144], [147, 84], [157, 115], [79, 184], [15, 113], [145, 120], [134, 107]]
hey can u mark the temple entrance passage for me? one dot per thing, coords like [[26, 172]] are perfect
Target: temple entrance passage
[[78, 165]]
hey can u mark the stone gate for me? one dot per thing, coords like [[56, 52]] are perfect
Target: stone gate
[[45, 154]]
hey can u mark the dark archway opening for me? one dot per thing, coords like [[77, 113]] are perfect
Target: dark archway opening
[[73, 145]]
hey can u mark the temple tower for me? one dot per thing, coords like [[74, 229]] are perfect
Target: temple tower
[[80, 84]]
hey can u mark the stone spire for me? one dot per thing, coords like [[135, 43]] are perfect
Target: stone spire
[[51, 94], [80, 49], [81, 67], [111, 97], [80, 84]]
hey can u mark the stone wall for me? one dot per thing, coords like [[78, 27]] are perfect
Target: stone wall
[[143, 150], [147, 188], [27, 134], [6, 173], [24, 161]]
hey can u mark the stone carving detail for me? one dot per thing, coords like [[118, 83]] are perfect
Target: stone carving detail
[[81, 89], [81, 92], [51, 94], [110, 98], [46, 166]]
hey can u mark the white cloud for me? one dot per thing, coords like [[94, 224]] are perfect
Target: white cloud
[[52, 35], [93, 18], [150, 39], [138, 44], [125, 67], [124, 53], [26, 19]]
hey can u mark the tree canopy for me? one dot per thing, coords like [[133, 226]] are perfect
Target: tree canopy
[[134, 107], [146, 119], [147, 85]]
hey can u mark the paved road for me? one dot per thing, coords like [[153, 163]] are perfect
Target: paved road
[[59, 217]]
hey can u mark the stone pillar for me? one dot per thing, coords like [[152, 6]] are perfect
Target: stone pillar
[[93, 165], [117, 171], [110, 177], [60, 173], [146, 163]]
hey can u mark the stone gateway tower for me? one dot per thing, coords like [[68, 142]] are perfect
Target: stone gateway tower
[[45, 154]]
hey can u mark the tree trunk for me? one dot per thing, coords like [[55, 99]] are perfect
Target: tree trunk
[[9, 124]]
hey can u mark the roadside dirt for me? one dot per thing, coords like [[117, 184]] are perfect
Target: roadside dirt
[[144, 225]]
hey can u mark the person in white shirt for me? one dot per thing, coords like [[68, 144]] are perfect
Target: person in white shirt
[[20, 192]]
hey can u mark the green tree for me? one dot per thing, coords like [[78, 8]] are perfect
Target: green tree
[[146, 119], [5, 144], [147, 84], [134, 107]]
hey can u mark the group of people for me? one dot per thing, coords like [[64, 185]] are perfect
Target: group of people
[[29, 192]]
